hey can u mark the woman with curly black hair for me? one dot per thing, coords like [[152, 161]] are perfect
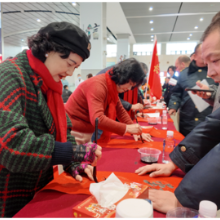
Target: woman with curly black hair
[[34, 128], [98, 98]]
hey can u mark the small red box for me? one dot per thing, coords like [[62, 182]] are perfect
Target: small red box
[[90, 207]]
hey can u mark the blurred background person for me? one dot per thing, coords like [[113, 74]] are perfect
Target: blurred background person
[[78, 80], [66, 93], [168, 86], [64, 82], [192, 56], [89, 75]]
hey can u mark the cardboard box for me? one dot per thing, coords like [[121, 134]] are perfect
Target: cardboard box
[[90, 207]]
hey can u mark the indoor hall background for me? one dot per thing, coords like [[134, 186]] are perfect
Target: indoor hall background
[[172, 22]]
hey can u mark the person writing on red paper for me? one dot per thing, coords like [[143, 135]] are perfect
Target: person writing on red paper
[[98, 98], [198, 154], [138, 106]]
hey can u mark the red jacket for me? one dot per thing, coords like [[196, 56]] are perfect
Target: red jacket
[[88, 102]]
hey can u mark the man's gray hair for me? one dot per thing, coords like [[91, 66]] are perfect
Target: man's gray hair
[[184, 59]]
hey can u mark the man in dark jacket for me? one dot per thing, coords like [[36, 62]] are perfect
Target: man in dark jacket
[[190, 117], [198, 154], [66, 94], [169, 87]]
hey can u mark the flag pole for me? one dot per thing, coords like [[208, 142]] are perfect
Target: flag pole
[[155, 39]]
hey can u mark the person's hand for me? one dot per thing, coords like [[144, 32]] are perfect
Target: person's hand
[[172, 111], [146, 101], [137, 107], [157, 169], [142, 115], [163, 201], [139, 114], [76, 169], [88, 152], [204, 95], [145, 137], [134, 129]]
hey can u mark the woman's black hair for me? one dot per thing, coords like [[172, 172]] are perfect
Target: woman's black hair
[[40, 44], [172, 67], [126, 71]]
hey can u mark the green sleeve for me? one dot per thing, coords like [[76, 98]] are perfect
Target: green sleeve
[[21, 150]]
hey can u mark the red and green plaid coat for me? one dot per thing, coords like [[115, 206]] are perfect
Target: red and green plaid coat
[[27, 135]]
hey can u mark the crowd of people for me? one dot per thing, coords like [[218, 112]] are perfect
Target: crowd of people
[[39, 131]]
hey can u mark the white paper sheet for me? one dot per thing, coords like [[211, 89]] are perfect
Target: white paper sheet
[[198, 101], [153, 115], [173, 82]]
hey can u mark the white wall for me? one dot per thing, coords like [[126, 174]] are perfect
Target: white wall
[[10, 51], [165, 60], [91, 14]]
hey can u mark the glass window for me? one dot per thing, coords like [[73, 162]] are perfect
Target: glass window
[[111, 50], [180, 48], [145, 49], [161, 74], [24, 48]]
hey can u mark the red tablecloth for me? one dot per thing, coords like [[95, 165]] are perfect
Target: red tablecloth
[[56, 204]]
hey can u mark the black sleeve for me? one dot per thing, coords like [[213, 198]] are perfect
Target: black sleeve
[[198, 142], [176, 96], [201, 182], [62, 154], [140, 94], [126, 104], [164, 86]]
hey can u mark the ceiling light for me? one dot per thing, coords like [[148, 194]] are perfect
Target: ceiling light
[[190, 35], [108, 38], [38, 20], [151, 8], [152, 40], [151, 22], [188, 38], [201, 19], [22, 39], [74, 3], [196, 27], [151, 29], [152, 36]]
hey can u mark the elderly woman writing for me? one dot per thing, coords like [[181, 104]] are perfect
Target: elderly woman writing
[[34, 129], [97, 97]]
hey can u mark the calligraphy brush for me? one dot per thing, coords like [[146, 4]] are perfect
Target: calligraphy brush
[[143, 108], [138, 123], [96, 137]]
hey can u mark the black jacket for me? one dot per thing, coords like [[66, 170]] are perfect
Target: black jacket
[[199, 155], [190, 117], [66, 94], [168, 90]]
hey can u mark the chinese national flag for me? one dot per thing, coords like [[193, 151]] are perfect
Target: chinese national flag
[[154, 74]]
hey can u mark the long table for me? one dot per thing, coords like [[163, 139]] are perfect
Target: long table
[[56, 204]]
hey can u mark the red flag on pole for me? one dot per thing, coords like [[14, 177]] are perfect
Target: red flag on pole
[[154, 74]]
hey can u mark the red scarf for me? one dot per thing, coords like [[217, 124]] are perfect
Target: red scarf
[[112, 100], [53, 91], [131, 96]]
